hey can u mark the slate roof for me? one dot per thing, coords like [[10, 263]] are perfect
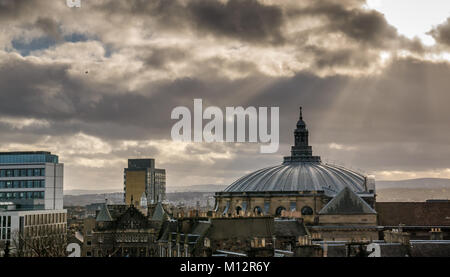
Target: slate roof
[[430, 249], [347, 202], [104, 214], [289, 228], [159, 213], [413, 213], [197, 230], [168, 227], [242, 228]]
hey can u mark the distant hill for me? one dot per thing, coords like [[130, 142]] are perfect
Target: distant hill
[[86, 199], [413, 190], [196, 188], [188, 195], [169, 189], [88, 191], [421, 183], [412, 195]]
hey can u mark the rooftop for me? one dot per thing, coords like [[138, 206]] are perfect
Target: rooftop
[[27, 157]]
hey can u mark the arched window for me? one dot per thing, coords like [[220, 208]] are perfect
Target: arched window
[[257, 210], [279, 210], [306, 210], [238, 210]]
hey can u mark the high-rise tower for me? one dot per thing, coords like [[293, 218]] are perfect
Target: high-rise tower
[[142, 178]]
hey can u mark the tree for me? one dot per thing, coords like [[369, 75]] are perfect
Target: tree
[[51, 244], [6, 250]]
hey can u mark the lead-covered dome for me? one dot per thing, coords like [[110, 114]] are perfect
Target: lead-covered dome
[[300, 176], [301, 172]]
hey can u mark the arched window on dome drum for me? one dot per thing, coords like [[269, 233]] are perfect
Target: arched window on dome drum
[[238, 210], [257, 210], [306, 210], [226, 208], [244, 207], [279, 210]]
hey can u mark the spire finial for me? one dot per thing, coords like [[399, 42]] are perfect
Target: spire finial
[[301, 116]]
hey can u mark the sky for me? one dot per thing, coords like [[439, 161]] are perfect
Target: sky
[[96, 85]]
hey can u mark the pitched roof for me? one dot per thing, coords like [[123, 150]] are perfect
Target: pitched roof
[[159, 212], [289, 228], [413, 213], [103, 214], [347, 202]]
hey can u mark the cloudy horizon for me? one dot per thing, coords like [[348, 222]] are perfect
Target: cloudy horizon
[[96, 85]]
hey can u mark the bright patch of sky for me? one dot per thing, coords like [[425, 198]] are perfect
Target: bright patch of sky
[[413, 17]]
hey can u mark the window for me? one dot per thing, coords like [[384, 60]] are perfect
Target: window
[[306, 210], [37, 172], [244, 206], [279, 210], [238, 209], [266, 207], [257, 210], [226, 207]]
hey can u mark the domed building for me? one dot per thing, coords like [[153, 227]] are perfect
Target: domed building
[[301, 183]]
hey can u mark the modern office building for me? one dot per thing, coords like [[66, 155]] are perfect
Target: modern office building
[[31, 201], [141, 178], [31, 180]]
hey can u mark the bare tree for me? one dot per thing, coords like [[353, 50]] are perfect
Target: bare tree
[[52, 244]]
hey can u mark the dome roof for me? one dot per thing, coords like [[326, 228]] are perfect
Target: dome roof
[[302, 176], [301, 172]]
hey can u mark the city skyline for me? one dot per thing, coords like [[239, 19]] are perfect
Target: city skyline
[[96, 85]]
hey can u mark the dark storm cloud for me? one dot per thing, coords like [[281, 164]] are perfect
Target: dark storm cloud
[[407, 104], [365, 26], [245, 20], [347, 57], [441, 33], [14, 8], [160, 57], [50, 27], [48, 91]]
